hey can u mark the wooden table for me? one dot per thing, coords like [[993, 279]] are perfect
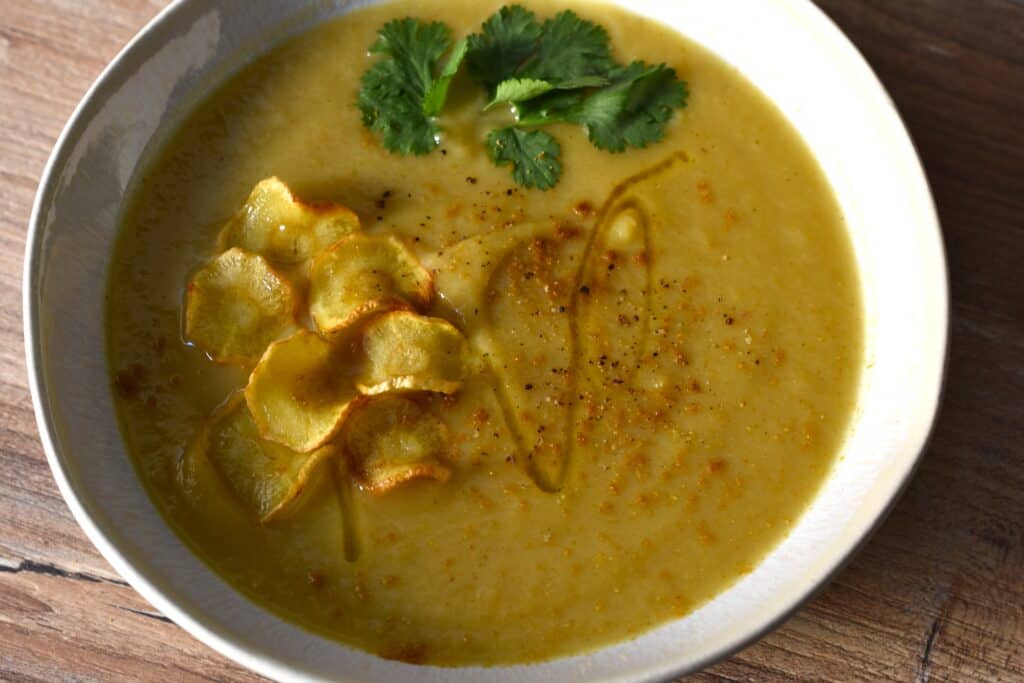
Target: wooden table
[[938, 593]]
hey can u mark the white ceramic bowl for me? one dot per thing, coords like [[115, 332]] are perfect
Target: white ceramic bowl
[[787, 47]]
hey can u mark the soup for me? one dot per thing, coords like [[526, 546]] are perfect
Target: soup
[[658, 356]]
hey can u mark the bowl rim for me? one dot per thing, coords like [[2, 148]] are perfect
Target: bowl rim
[[225, 643]]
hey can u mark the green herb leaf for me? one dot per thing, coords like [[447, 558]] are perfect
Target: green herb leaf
[[565, 51], [518, 90], [553, 107], [434, 100], [571, 50], [558, 71], [506, 41], [633, 110], [393, 98], [534, 156]]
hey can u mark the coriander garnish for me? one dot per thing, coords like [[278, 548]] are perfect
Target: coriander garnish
[[533, 154], [564, 52], [558, 71], [400, 97]]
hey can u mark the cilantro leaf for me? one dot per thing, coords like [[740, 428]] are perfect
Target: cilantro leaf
[[565, 51], [534, 156], [570, 49], [558, 71], [518, 90], [633, 110], [433, 101], [553, 107], [393, 98], [506, 41], [415, 47]]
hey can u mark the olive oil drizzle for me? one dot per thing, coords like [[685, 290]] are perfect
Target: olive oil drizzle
[[604, 214], [644, 225], [342, 483], [610, 209], [524, 455]]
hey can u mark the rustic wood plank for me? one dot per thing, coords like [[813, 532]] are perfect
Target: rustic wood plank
[[116, 635], [937, 594]]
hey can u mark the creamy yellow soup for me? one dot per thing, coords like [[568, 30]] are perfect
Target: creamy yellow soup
[[672, 335]]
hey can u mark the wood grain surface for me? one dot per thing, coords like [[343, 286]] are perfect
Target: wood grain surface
[[937, 594]]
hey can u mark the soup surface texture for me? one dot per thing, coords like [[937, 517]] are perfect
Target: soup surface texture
[[672, 345]]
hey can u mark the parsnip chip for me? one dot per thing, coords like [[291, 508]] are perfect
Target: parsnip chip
[[276, 224], [390, 440], [364, 274], [266, 477], [410, 352], [236, 305], [299, 393]]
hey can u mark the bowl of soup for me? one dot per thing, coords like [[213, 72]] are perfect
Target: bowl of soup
[[557, 340]]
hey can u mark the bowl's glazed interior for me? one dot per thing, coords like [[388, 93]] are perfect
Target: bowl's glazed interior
[[786, 47]]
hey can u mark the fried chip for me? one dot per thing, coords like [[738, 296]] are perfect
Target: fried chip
[[236, 305], [273, 222], [299, 393], [390, 440], [410, 352], [266, 477], [364, 274]]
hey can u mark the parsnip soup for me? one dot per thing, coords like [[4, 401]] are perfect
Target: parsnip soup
[[470, 334]]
